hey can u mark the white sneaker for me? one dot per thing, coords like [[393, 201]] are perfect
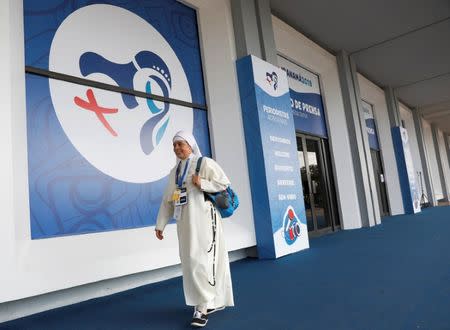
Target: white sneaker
[[199, 319]]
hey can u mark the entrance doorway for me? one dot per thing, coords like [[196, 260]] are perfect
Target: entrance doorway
[[318, 186], [379, 182]]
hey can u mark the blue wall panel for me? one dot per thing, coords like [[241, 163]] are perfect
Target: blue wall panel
[[98, 160]]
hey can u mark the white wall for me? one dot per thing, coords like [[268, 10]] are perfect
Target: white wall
[[407, 116], [432, 159], [33, 267], [296, 47], [375, 96], [7, 232]]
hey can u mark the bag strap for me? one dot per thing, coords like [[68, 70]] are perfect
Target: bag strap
[[199, 163]]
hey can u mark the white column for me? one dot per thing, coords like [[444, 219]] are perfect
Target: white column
[[361, 157], [440, 160], [426, 175]]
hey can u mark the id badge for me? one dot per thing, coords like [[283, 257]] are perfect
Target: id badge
[[177, 212], [176, 195], [182, 197]]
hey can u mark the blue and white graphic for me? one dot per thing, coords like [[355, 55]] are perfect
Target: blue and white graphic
[[407, 175], [272, 79], [121, 141], [280, 220], [306, 100], [370, 125], [123, 75], [132, 62], [291, 226]]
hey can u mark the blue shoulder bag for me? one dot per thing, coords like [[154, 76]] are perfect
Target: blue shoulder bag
[[226, 201]]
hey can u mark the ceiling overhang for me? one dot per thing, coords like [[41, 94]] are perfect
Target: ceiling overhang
[[403, 44]]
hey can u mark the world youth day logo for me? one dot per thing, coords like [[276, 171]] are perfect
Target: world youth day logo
[[272, 79], [123, 136]]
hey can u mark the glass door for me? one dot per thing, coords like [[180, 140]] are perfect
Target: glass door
[[305, 184], [318, 190]]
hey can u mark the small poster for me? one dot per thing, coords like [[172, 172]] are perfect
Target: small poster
[[407, 174]]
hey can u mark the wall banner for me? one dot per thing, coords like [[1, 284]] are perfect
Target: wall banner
[[98, 160], [278, 205], [306, 100], [371, 127], [407, 174]]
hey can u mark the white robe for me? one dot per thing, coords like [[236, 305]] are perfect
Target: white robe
[[195, 236]]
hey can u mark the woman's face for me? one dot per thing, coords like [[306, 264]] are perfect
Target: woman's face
[[182, 149]]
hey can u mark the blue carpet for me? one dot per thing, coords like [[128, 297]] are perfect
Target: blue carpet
[[393, 276]]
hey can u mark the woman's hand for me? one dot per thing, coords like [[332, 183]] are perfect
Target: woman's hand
[[197, 181], [159, 234]]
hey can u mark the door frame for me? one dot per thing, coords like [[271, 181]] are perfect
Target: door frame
[[325, 169], [382, 193]]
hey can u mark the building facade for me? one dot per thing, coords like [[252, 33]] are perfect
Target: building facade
[[80, 202]]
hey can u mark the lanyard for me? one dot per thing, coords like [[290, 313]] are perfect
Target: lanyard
[[179, 180]]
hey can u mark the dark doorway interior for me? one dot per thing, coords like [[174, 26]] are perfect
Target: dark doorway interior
[[380, 182]]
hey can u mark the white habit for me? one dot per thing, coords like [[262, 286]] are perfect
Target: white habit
[[205, 282]]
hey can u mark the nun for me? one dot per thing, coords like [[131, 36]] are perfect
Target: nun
[[204, 257]]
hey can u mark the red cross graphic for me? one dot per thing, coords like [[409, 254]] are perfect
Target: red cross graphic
[[91, 105]]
